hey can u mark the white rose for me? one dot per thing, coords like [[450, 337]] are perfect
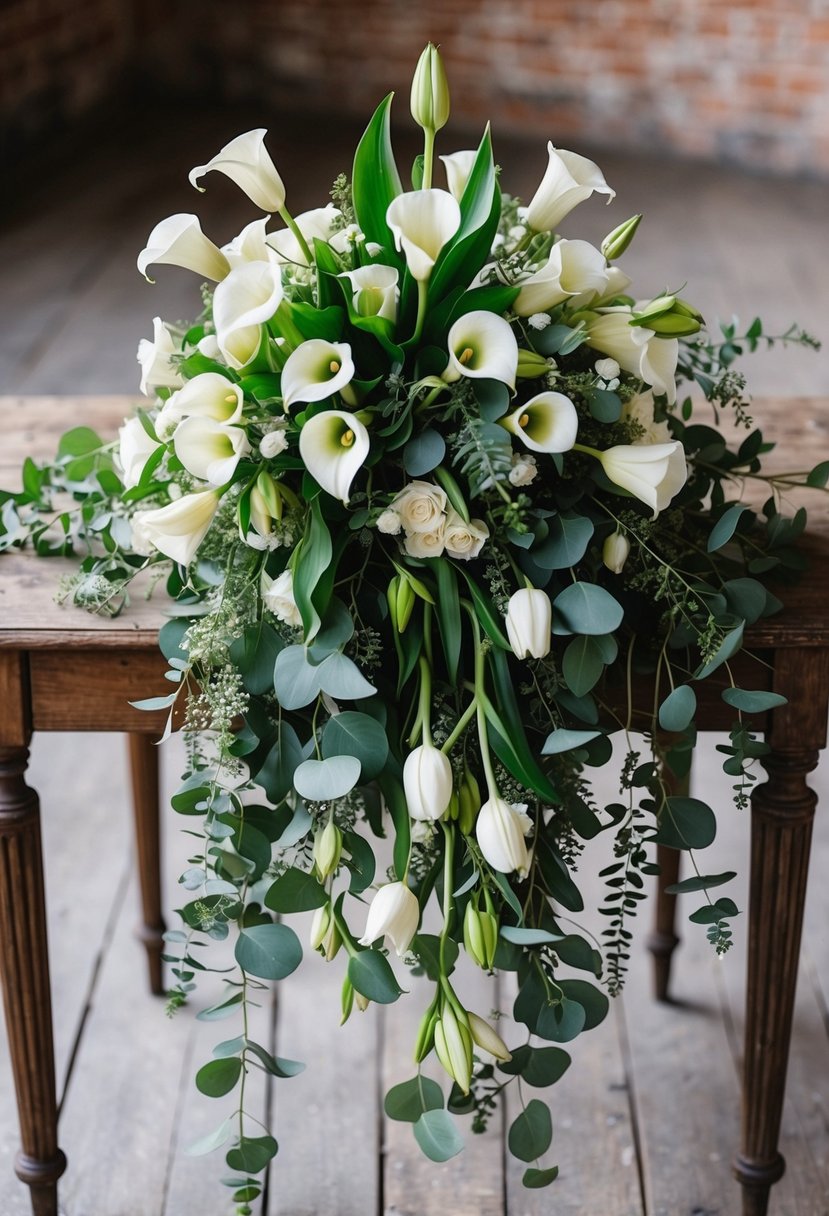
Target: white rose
[[420, 506], [272, 444], [524, 469], [389, 523], [462, 539], [425, 544], [278, 597]]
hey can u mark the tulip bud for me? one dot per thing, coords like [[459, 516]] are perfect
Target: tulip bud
[[426, 1034], [615, 552], [346, 1000], [529, 623], [405, 603], [669, 317], [453, 1045], [480, 935], [500, 834], [469, 799], [430, 91], [320, 925], [427, 781], [617, 241], [485, 1037], [531, 366], [327, 848]]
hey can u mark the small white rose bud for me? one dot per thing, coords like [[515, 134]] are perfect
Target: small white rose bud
[[389, 523], [615, 552], [272, 444]]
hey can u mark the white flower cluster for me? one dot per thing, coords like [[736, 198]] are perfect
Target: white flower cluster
[[431, 526]]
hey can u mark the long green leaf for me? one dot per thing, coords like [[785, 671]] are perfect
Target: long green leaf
[[448, 610], [375, 181], [312, 560], [466, 253]]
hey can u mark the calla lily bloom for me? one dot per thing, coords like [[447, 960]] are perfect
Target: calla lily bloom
[[422, 222], [458, 167], [334, 446], [653, 472], [320, 223], [179, 241], [482, 344], [374, 290], [135, 447], [209, 395], [529, 623], [178, 529], [251, 245], [637, 349], [246, 161], [315, 370], [500, 832], [547, 422], [157, 368], [568, 181], [394, 913], [242, 303], [210, 450], [427, 782], [575, 270]]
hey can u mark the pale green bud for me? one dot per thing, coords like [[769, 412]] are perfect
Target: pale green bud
[[430, 91], [328, 846], [320, 925], [453, 1045], [346, 1000], [426, 1034], [405, 604], [617, 241], [484, 1036], [615, 552], [469, 798], [669, 316], [531, 366], [480, 935]]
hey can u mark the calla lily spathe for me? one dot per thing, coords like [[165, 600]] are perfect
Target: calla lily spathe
[[210, 450], [246, 161], [653, 472], [458, 167], [422, 222], [135, 447], [251, 245], [547, 422], [334, 446], [158, 369], [242, 303], [178, 529], [374, 290], [500, 831], [321, 223], [568, 181], [529, 623], [637, 349], [315, 370], [575, 270], [427, 782], [179, 241], [482, 344], [208, 395], [394, 913]]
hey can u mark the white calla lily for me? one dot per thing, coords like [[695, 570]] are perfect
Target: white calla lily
[[653, 472], [242, 303], [315, 370], [500, 831], [135, 447], [179, 241], [547, 422], [208, 449], [246, 161], [427, 782], [334, 446], [617, 284], [529, 623], [251, 245], [321, 223], [568, 181], [422, 222], [178, 529], [575, 270], [637, 349], [158, 369], [482, 344], [374, 290], [458, 167], [394, 913], [208, 395]]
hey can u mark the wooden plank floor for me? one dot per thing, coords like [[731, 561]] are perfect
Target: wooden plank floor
[[646, 1119]]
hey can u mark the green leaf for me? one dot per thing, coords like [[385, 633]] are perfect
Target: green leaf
[[747, 598], [582, 664], [217, 1013], [686, 823], [725, 527], [729, 646], [538, 1066], [535, 1179], [424, 452], [209, 1143], [276, 1066], [522, 936], [700, 882], [362, 863], [427, 947], [311, 560], [592, 1000], [604, 405], [252, 1154], [752, 702], [276, 776], [326, 780], [219, 1077], [437, 1135], [354, 734], [296, 681], [490, 619], [532, 1132], [336, 629], [255, 654], [464, 255], [375, 179], [408, 1101], [295, 891], [562, 740], [448, 612], [677, 710], [565, 544], [341, 678], [586, 608], [269, 952], [562, 1022], [709, 914], [371, 974], [819, 475], [395, 799]]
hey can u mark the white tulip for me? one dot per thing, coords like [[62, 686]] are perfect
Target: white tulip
[[547, 422], [278, 597], [158, 369], [315, 370], [421, 506], [208, 395], [575, 271], [487, 1038], [637, 349], [374, 290], [242, 303], [422, 222], [458, 167], [135, 447], [425, 544], [427, 781], [482, 345], [334, 446], [568, 181], [500, 833], [210, 450], [615, 551], [529, 623], [652, 472], [179, 241], [251, 245], [464, 540], [245, 160], [394, 913], [178, 529]]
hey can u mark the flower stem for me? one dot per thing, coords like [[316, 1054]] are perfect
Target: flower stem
[[294, 227], [425, 703], [428, 157], [463, 722], [422, 292]]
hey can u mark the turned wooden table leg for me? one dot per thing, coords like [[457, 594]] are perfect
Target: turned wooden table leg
[[24, 967], [664, 939], [143, 754]]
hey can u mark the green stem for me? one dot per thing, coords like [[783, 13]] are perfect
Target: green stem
[[428, 156], [448, 870], [422, 292], [461, 726], [294, 227], [479, 701], [424, 711]]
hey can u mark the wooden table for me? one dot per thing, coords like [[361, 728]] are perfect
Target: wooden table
[[61, 669]]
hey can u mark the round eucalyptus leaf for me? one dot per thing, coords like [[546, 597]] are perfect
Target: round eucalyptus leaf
[[535, 1179], [354, 734], [686, 823], [408, 1101], [562, 1022], [341, 678], [423, 452], [592, 1000], [437, 1135], [252, 1154], [296, 681], [219, 1077], [752, 702], [678, 709], [325, 780], [295, 891], [538, 1066], [531, 1134], [269, 952], [586, 608]]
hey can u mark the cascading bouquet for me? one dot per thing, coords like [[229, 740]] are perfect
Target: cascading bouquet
[[422, 476]]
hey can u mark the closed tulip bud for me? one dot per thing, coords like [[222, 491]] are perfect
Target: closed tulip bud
[[346, 1000], [453, 1045], [469, 799], [430, 91], [405, 604], [529, 623], [427, 781], [425, 1040], [328, 845], [480, 935], [531, 366], [615, 552], [617, 241], [485, 1037], [320, 925], [500, 834]]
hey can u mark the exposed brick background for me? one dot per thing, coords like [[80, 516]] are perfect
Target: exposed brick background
[[738, 80]]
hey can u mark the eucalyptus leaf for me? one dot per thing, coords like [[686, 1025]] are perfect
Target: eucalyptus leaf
[[686, 823], [219, 1077], [269, 952], [436, 1133], [531, 1134], [535, 1179], [677, 710], [423, 452], [355, 734], [295, 891], [296, 680], [409, 1100], [341, 678], [371, 975], [753, 702], [563, 740], [326, 780], [586, 608]]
